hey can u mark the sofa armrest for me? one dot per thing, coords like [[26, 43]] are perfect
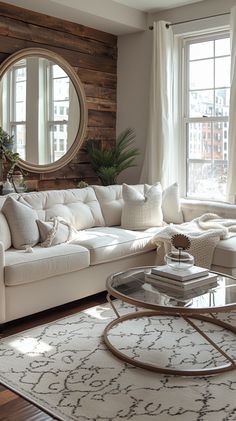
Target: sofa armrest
[[2, 284], [194, 208]]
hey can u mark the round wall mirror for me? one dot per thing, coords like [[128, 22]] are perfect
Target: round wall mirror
[[43, 106]]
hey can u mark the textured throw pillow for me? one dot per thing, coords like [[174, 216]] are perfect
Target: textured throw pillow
[[55, 232], [141, 211], [5, 233], [21, 219], [171, 205]]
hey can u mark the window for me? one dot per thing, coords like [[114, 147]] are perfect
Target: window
[[206, 100]]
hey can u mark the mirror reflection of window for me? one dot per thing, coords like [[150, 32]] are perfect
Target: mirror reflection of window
[[40, 108], [58, 109], [14, 105]]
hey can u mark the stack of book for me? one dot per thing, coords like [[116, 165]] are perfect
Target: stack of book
[[181, 281]]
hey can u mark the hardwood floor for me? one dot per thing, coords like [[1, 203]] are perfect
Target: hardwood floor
[[12, 406]]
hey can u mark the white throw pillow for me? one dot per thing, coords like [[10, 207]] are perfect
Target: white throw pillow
[[5, 233], [111, 203], [141, 211], [55, 232], [21, 219], [171, 208]]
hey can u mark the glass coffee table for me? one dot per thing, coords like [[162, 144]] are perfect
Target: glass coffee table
[[201, 304]]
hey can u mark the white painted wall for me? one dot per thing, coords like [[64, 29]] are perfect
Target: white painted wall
[[134, 61], [134, 58], [193, 11]]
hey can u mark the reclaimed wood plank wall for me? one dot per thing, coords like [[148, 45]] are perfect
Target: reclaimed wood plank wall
[[93, 55]]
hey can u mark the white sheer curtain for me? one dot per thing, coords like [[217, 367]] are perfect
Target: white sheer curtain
[[161, 154], [231, 179]]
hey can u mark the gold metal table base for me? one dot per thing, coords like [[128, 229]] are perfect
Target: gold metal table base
[[230, 365]]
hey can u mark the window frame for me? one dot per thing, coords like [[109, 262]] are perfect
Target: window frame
[[186, 119]]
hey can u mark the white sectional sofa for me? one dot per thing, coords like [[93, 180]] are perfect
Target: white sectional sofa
[[34, 278]]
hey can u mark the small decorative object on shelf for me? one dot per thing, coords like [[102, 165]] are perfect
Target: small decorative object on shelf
[[9, 160], [18, 182], [180, 259], [7, 187], [31, 185], [82, 184]]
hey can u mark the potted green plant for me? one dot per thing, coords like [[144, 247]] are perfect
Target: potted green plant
[[109, 163], [6, 143]]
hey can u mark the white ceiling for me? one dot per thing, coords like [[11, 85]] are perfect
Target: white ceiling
[[114, 16], [154, 5]]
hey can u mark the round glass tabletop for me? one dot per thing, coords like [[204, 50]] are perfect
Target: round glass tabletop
[[132, 287]]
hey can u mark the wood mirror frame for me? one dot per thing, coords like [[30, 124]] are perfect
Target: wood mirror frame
[[77, 143]]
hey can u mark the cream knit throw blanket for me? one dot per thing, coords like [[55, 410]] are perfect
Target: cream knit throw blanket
[[204, 232]]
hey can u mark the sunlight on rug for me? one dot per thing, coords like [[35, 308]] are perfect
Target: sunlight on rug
[[65, 368]]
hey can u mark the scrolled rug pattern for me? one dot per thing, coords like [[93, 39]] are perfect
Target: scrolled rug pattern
[[65, 368]]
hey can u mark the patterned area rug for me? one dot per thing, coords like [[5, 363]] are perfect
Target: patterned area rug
[[65, 368]]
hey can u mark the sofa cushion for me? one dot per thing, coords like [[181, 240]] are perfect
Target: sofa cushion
[[55, 232], [113, 243], [21, 219], [172, 212], [194, 208], [225, 253], [5, 233], [141, 210], [77, 206], [111, 202], [22, 267]]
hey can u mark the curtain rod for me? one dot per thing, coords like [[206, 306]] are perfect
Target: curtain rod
[[192, 20]]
